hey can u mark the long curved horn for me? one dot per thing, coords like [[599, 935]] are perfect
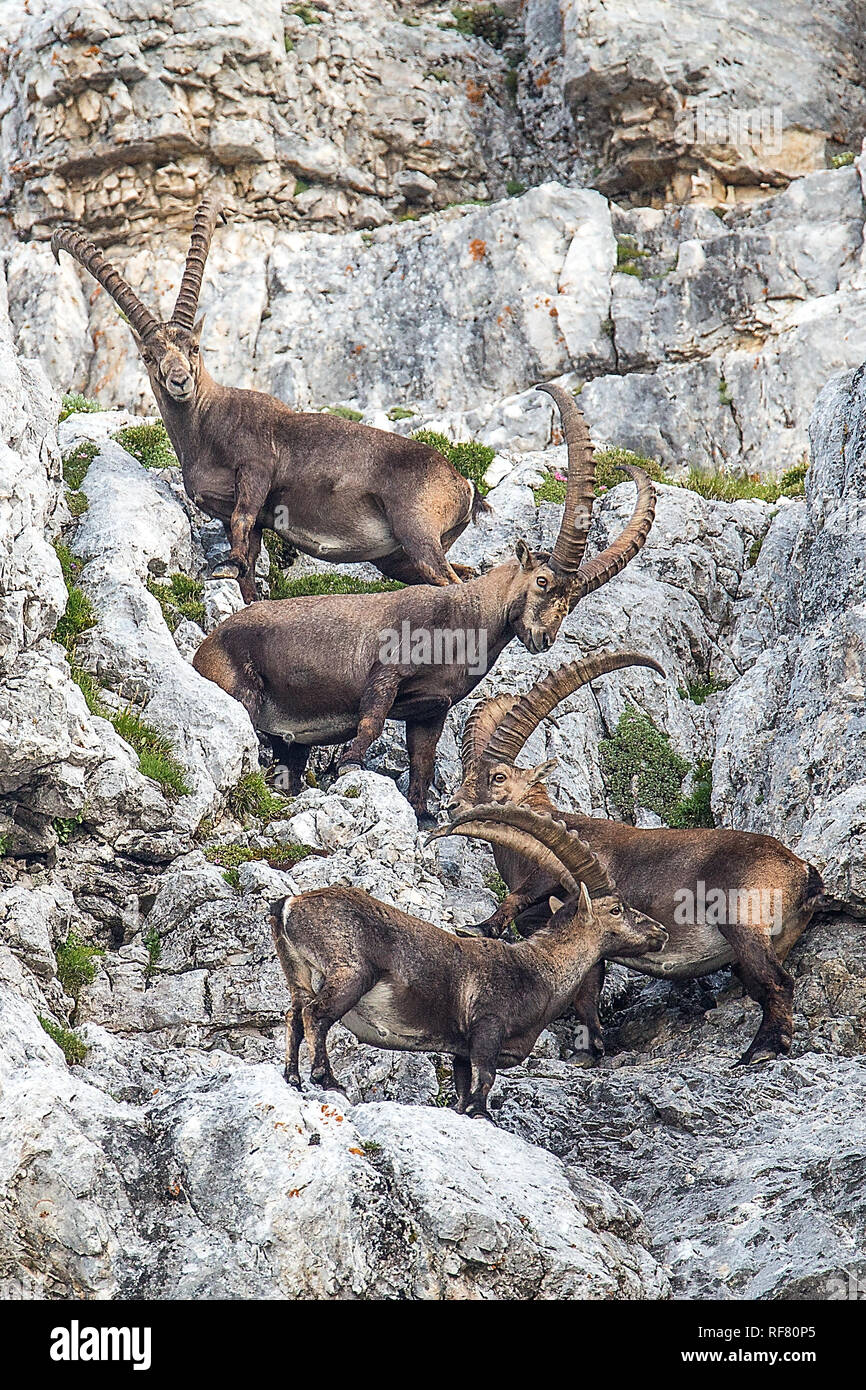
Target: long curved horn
[[579, 495], [208, 213], [556, 846], [609, 562], [66, 239], [527, 713], [479, 728]]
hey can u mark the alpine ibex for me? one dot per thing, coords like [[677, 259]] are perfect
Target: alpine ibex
[[312, 671], [335, 489], [398, 982], [725, 897]]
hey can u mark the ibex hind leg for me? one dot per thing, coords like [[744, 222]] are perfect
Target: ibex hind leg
[[340, 992], [462, 1080], [294, 1038], [770, 985], [290, 764], [420, 559]]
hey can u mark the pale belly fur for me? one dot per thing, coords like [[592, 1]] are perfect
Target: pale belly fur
[[370, 539], [707, 951], [376, 1020]]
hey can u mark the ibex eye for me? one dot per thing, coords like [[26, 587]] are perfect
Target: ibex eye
[[541, 582]]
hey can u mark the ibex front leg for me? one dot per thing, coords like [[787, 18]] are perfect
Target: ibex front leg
[[252, 488], [339, 993], [377, 699], [484, 1045]]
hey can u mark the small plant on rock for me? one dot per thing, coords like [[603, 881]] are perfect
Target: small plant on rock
[[149, 444]]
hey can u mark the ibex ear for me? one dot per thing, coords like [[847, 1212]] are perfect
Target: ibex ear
[[539, 773], [524, 555], [554, 904], [196, 332], [586, 902]]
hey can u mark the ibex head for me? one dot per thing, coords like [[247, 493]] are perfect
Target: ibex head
[[592, 901], [497, 729], [170, 351], [545, 588]]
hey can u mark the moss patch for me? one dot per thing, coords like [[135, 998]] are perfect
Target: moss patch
[[553, 489], [149, 444], [399, 412], [345, 412], [495, 884], [607, 466], [69, 1043], [180, 598], [469, 457], [77, 462]]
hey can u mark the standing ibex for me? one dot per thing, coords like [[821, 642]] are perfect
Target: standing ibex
[[323, 670], [398, 982], [725, 897], [335, 489]]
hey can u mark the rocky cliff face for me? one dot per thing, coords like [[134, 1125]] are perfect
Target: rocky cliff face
[[148, 1144]]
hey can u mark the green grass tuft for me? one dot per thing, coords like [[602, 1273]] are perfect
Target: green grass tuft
[[156, 758], [629, 255], [149, 444], [699, 691], [5, 842], [77, 503], [154, 950], [841, 161], [607, 474], [76, 964], [78, 615], [399, 412], [90, 689], [306, 14], [694, 812], [724, 393], [469, 457], [69, 1043], [77, 462], [280, 856], [66, 826], [514, 188], [345, 412], [73, 403], [180, 598], [332, 582], [495, 884], [252, 796], [486, 22]]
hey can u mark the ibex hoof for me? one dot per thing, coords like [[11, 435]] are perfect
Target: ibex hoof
[[758, 1058], [585, 1059], [229, 570], [292, 1079]]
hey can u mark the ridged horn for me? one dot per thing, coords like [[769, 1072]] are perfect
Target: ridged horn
[[208, 213], [66, 239], [609, 562], [480, 727], [547, 842], [524, 717], [570, 546]]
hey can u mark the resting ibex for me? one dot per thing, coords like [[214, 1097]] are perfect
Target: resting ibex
[[398, 982], [323, 670], [333, 488], [725, 897]]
